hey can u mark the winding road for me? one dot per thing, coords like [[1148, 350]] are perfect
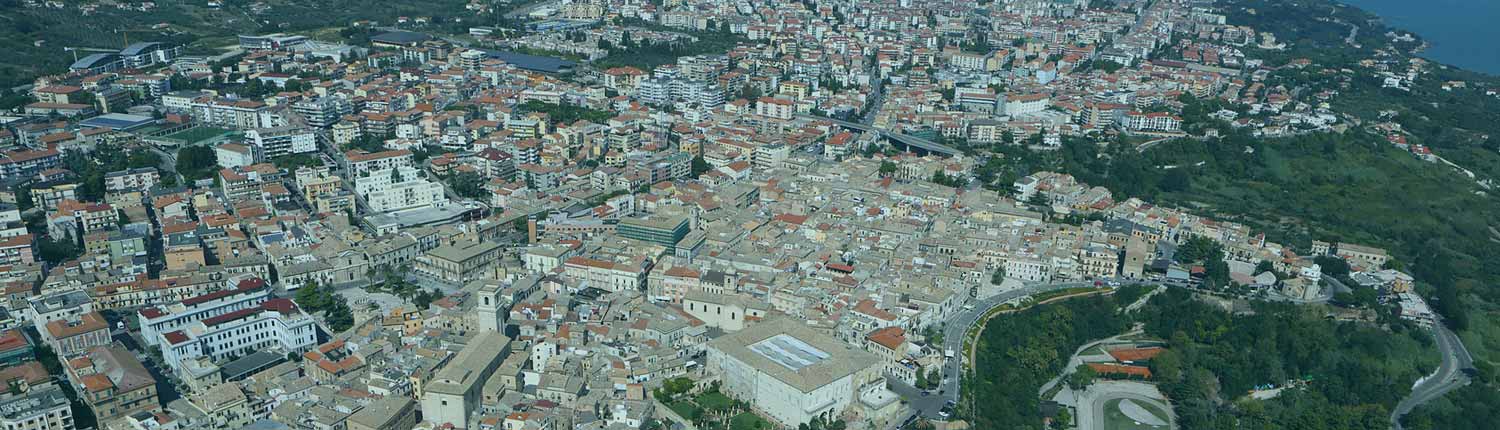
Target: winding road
[[1448, 377], [954, 330]]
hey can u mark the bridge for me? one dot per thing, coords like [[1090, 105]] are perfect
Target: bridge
[[911, 142]]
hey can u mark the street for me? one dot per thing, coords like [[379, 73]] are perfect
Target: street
[[954, 331], [1448, 376]]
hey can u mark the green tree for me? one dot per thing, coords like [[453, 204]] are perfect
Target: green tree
[[700, 166], [196, 162], [469, 185], [1082, 376], [57, 251]]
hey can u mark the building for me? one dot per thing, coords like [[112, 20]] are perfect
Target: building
[[608, 275], [275, 323], [15, 347], [273, 41], [223, 406], [279, 141], [790, 371], [461, 262], [141, 179], [397, 189], [74, 335], [890, 345], [113, 383], [43, 407], [455, 392], [775, 108], [358, 164], [1363, 256], [389, 413], [232, 155], [728, 312], [661, 230], [16, 250], [1022, 104], [154, 321]]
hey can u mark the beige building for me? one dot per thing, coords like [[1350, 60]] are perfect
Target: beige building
[[461, 262], [791, 372], [455, 393], [389, 413], [75, 335]]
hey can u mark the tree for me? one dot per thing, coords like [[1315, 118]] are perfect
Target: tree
[[700, 166], [23, 197], [1264, 266], [888, 168], [469, 185], [998, 277], [1038, 201], [1197, 249], [196, 162], [57, 251], [1082, 376], [1332, 266], [1176, 180], [310, 298]]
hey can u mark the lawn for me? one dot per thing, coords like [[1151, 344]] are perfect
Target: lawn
[[1114, 419], [685, 409], [714, 401], [748, 421]]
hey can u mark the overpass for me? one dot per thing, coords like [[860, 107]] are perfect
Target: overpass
[[911, 142]]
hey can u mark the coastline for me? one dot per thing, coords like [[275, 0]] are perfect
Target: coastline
[[1453, 33]]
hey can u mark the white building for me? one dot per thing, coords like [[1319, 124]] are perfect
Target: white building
[[398, 189], [157, 320], [279, 141], [42, 407], [360, 163], [232, 155], [275, 323], [1022, 104], [774, 108], [791, 372]]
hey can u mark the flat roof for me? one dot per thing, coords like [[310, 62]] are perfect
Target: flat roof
[[531, 62], [794, 353], [118, 121], [250, 364], [789, 352], [401, 37]]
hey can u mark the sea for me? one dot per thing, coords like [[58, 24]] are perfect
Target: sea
[[1463, 33]]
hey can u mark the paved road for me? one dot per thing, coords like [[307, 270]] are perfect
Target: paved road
[[1448, 377], [905, 139], [954, 331], [1091, 407]]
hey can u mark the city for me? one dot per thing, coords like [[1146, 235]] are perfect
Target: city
[[687, 214]]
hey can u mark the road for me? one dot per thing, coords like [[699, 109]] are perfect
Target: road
[[1448, 377], [954, 331], [526, 10], [908, 140]]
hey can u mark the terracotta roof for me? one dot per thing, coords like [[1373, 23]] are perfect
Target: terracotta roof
[[890, 337], [1135, 354]]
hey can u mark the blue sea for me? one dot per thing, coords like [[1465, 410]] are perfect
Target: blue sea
[[1464, 33]]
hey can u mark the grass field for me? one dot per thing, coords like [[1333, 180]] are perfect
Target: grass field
[[685, 409], [1114, 419], [748, 421]]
